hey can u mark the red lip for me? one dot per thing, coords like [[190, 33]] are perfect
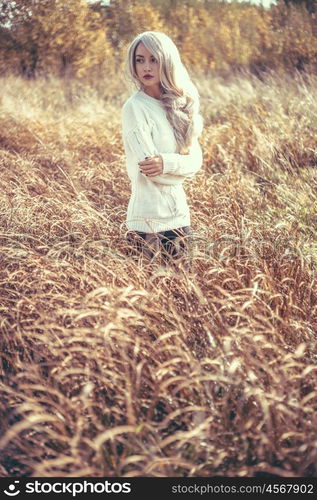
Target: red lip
[[148, 77]]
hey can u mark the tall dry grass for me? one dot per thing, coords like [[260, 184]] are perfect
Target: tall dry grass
[[114, 367]]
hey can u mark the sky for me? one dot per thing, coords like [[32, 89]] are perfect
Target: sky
[[265, 3]]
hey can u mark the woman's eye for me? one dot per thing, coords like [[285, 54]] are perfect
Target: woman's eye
[[140, 60]]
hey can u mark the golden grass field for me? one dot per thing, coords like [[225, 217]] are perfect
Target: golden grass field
[[116, 367]]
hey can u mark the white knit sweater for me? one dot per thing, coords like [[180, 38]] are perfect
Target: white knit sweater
[[157, 203]]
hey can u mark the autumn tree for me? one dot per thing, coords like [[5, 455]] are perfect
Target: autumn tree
[[124, 20], [41, 36], [294, 37]]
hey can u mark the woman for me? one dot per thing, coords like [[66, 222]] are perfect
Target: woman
[[161, 124]]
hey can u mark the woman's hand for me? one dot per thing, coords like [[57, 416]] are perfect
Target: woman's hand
[[152, 165]]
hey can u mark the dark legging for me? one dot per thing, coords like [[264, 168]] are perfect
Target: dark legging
[[169, 243]]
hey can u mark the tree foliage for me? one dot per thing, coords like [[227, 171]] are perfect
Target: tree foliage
[[82, 39], [53, 35]]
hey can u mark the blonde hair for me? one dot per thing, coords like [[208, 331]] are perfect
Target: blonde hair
[[179, 95]]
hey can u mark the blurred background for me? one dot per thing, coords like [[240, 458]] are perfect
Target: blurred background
[[88, 39]]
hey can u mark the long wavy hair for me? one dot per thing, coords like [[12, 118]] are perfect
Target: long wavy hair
[[179, 95]]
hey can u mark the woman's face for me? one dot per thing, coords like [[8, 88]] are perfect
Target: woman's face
[[146, 64]]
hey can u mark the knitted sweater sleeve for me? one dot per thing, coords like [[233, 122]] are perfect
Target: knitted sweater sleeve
[[139, 143], [186, 165]]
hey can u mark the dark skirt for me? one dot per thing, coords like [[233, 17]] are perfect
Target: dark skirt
[[167, 244]]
